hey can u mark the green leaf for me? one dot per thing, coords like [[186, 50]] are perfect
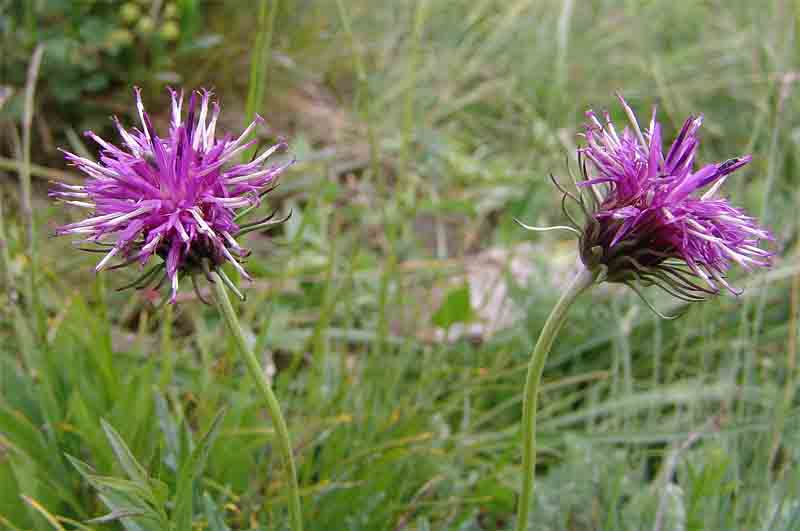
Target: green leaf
[[83, 469], [146, 520], [214, 515], [23, 435], [125, 458], [138, 491], [94, 30], [170, 430], [126, 499], [190, 469], [114, 515], [456, 308]]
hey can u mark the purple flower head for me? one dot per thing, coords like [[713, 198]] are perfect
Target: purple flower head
[[175, 196], [653, 218]]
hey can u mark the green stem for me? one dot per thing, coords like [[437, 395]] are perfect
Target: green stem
[[262, 51], [581, 282], [167, 352], [264, 388], [5, 258], [25, 188]]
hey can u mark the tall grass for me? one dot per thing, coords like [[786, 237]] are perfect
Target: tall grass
[[421, 128], [259, 62], [26, 206]]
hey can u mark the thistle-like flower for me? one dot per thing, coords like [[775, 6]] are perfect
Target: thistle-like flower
[[646, 220], [176, 196]]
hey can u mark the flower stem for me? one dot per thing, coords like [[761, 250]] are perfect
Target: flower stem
[[581, 282], [264, 388]]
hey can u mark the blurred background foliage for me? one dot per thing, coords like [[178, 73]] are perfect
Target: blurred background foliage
[[396, 310]]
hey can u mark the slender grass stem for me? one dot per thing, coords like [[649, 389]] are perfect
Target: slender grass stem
[[167, 351], [264, 389], [361, 100], [5, 257], [261, 56], [564, 20], [259, 63], [364, 107], [25, 180], [420, 15], [784, 404], [39, 171], [581, 282], [320, 338]]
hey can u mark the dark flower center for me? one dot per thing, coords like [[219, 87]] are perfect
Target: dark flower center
[[648, 245]]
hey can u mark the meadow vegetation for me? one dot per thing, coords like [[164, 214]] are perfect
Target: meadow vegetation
[[397, 308]]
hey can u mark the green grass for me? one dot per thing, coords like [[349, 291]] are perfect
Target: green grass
[[421, 128]]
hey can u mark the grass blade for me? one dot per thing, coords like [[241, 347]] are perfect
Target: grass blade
[[190, 469]]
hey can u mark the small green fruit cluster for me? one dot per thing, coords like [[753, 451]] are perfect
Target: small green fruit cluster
[[138, 20]]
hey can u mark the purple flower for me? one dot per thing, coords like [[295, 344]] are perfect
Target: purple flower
[[175, 196], [653, 218]]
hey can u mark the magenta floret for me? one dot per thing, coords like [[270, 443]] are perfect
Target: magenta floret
[[174, 196], [653, 218]]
